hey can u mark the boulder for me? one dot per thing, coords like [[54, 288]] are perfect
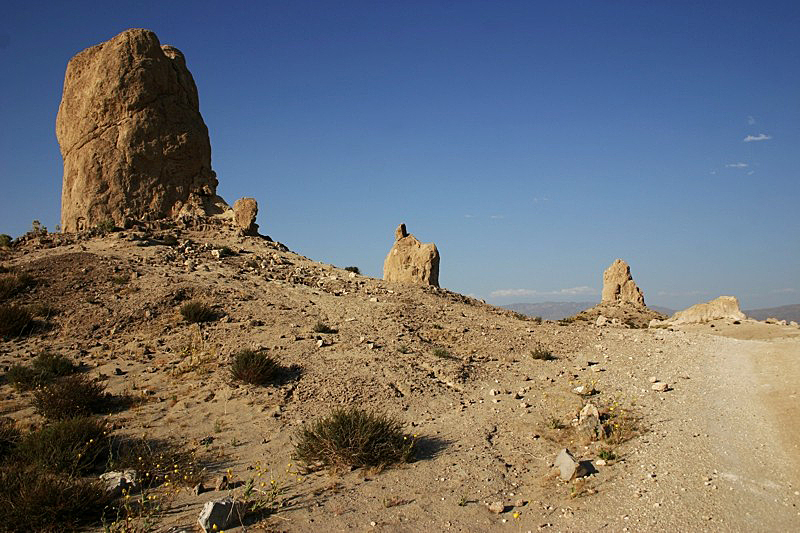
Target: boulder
[[619, 287], [723, 308], [568, 466], [589, 422], [244, 214], [118, 482], [410, 261], [131, 136], [218, 515]]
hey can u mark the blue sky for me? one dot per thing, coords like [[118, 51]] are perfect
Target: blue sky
[[533, 142]]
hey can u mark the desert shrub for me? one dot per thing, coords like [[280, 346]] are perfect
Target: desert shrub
[[36, 500], [43, 369], [256, 367], [106, 226], [71, 396], [536, 319], [12, 283], [353, 437], [226, 252], [196, 312], [542, 354], [5, 240], [156, 461], [443, 353], [9, 436], [14, 320], [322, 327], [75, 446], [353, 269], [42, 310]]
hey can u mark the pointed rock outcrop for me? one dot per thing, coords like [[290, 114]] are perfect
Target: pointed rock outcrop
[[619, 287], [410, 261]]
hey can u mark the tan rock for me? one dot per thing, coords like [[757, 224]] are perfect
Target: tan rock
[[724, 307], [619, 287], [133, 142], [245, 211], [410, 261]]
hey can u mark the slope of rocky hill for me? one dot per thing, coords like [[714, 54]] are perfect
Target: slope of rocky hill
[[488, 412]]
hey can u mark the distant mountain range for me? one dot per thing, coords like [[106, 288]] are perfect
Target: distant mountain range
[[559, 310], [784, 312]]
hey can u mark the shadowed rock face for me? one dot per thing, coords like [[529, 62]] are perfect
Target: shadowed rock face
[[619, 287], [410, 261], [133, 142]]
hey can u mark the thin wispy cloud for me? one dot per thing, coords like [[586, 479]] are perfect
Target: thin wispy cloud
[[786, 290], [751, 120], [533, 293], [469, 216], [737, 165], [759, 137], [497, 217]]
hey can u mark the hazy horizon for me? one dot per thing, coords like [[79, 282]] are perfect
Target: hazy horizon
[[533, 143]]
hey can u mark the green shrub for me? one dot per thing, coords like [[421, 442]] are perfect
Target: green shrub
[[14, 320], [353, 269], [75, 446], [353, 437], [35, 500], [71, 396], [5, 240], [43, 369], [443, 353], [256, 367], [322, 327], [196, 312]]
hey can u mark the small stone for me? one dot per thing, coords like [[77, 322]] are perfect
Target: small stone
[[373, 299], [653, 379], [568, 466], [600, 462], [660, 387], [320, 343], [519, 503], [217, 515], [493, 392], [497, 507], [221, 483], [198, 489]]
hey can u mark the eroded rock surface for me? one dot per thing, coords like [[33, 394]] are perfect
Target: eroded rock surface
[[619, 287], [133, 142], [245, 211], [722, 308], [410, 261]]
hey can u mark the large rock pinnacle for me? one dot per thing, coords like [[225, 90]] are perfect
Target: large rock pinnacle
[[133, 142], [619, 287]]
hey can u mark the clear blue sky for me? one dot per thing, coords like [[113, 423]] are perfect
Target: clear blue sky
[[533, 142]]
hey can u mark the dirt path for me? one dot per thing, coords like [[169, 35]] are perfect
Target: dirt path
[[753, 418]]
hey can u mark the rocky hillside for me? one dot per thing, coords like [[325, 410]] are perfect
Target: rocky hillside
[[491, 398]]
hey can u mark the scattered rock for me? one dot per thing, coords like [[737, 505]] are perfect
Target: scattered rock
[[601, 321], [660, 387], [198, 489], [410, 261], [589, 421], [653, 379], [221, 483], [568, 466], [117, 482], [497, 507], [133, 142], [217, 515]]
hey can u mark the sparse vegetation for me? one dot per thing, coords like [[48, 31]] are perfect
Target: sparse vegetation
[[322, 327], [9, 436], [554, 423], [443, 353], [196, 312], [542, 354], [106, 226], [71, 396], [606, 454], [404, 349], [75, 446], [156, 461], [14, 320], [44, 368], [5, 240], [353, 269], [256, 367], [353, 437], [32, 499], [12, 283], [620, 424]]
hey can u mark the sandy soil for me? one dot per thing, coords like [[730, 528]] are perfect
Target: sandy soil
[[716, 452]]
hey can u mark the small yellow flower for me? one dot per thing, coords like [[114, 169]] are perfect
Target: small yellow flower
[[515, 515]]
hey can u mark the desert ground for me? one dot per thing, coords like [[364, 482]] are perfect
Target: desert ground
[[717, 451]]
